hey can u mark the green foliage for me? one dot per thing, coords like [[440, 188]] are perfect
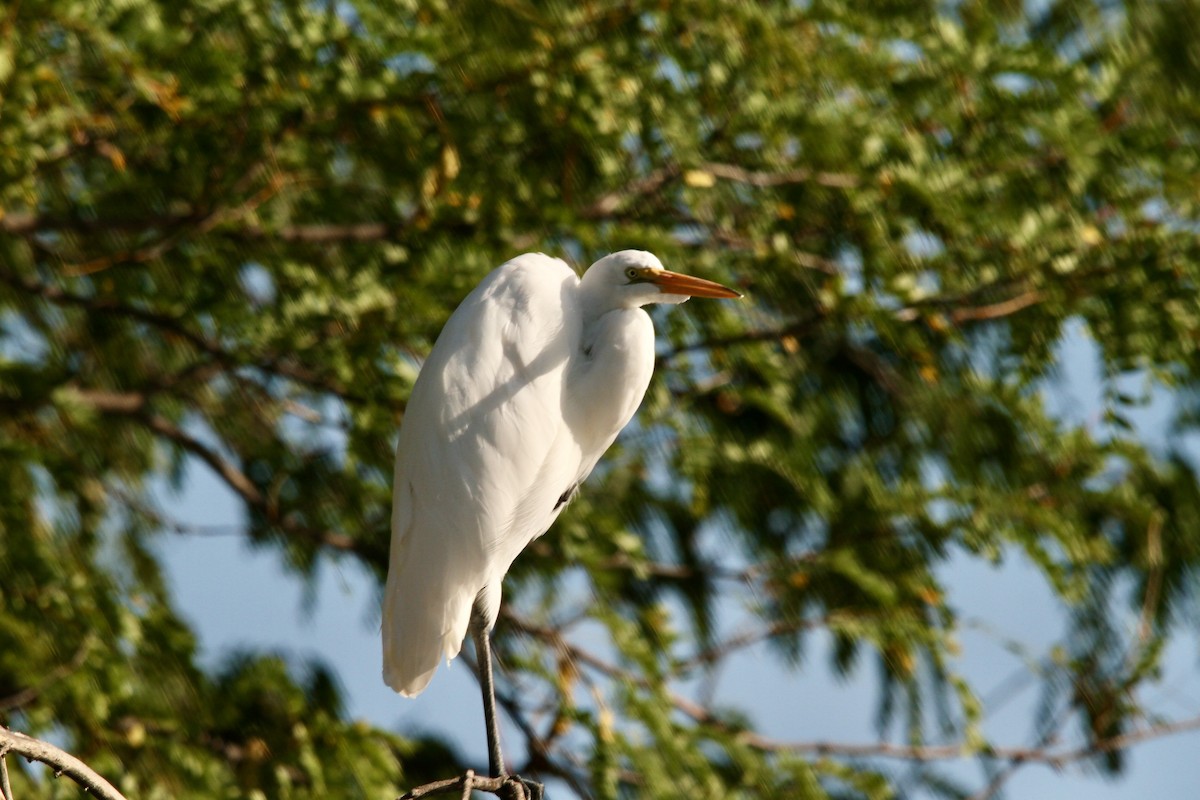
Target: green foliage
[[230, 229]]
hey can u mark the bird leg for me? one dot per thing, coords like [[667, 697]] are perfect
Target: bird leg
[[523, 789], [483, 655]]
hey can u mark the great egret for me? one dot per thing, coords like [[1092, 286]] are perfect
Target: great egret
[[528, 384]]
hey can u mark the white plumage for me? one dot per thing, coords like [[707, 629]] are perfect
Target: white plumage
[[528, 384]]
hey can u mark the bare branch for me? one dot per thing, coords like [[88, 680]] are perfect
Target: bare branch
[[225, 469], [815, 262], [998, 780], [1049, 733], [5, 784], [657, 569], [539, 748], [508, 786], [996, 310], [62, 762], [963, 306], [230, 221], [25, 224], [577, 654], [62, 297], [871, 363]]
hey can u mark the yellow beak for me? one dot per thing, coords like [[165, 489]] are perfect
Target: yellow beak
[[677, 283]]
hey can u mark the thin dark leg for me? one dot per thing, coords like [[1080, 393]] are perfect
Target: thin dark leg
[[483, 654], [520, 788]]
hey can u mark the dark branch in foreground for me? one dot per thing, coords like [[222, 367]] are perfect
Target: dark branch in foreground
[[5, 786], [508, 787], [62, 762]]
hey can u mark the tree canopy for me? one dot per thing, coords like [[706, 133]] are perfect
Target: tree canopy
[[230, 230]]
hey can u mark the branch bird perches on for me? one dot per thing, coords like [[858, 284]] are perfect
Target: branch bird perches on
[[62, 762]]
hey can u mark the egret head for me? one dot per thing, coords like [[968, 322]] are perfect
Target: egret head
[[633, 278]]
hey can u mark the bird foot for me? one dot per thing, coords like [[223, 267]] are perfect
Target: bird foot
[[517, 788]]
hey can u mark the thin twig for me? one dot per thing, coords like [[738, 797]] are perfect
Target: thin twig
[[1015, 762], [5, 785], [996, 310], [62, 762]]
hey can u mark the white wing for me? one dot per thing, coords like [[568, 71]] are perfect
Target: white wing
[[483, 458]]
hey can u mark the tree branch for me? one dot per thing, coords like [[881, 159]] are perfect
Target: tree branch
[[5, 784], [62, 762], [996, 310], [507, 786], [963, 306]]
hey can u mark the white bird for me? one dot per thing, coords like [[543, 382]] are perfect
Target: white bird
[[530, 381]]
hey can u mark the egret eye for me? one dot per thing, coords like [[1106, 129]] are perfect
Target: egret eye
[[631, 273]]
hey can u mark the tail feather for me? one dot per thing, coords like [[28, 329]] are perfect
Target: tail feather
[[425, 618]]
